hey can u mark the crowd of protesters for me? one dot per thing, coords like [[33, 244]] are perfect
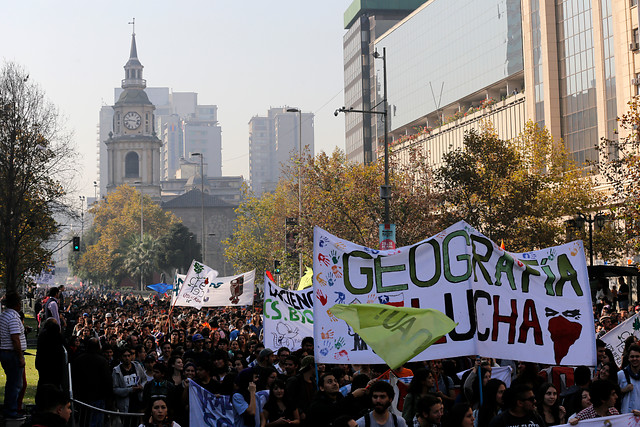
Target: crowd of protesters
[[132, 354]]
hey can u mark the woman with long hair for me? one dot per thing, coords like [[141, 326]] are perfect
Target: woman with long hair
[[492, 402], [461, 415], [176, 366], [157, 414], [276, 411], [548, 406], [422, 381], [608, 372]]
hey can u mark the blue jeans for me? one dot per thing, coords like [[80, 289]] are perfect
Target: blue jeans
[[12, 369]]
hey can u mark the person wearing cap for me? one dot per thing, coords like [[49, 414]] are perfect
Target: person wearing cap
[[302, 387], [198, 352], [607, 324]]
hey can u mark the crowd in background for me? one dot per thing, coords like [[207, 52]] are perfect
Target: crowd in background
[[137, 355]]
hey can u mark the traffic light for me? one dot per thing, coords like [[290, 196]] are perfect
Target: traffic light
[[276, 267], [76, 244]]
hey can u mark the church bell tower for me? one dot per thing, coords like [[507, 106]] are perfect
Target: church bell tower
[[133, 149]]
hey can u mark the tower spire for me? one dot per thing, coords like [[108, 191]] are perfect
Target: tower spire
[[133, 67]]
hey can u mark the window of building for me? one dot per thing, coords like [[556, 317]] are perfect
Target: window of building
[[131, 165], [633, 3], [634, 36]]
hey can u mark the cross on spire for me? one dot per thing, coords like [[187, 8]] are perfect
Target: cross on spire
[[133, 22]]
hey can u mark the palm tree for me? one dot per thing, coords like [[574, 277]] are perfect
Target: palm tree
[[140, 258]]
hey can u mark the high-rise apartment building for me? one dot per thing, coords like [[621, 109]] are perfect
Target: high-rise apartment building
[[365, 20], [571, 66], [273, 141]]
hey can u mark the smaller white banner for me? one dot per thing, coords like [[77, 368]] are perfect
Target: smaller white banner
[[614, 339], [625, 420], [231, 291], [193, 290], [288, 316]]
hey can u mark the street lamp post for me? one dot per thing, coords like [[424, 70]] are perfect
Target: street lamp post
[[385, 190], [95, 191], [139, 183], [82, 199], [598, 219], [299, 111], [204, 243]]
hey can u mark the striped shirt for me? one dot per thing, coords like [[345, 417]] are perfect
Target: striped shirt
[[10, 324]]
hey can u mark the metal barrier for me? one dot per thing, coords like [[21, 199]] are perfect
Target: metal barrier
[[92, 416]]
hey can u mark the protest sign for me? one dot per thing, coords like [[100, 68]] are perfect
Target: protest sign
[[615, 338], [178, 280], [193, 290], [532, 306], [214, 410], [47, 276], [208, 409], [231, 291], [624, 420], [288, 316]]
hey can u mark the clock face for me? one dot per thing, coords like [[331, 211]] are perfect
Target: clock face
[[132, 120]]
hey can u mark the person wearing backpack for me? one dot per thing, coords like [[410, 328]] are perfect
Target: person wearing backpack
[[382, 395], [629, 381]]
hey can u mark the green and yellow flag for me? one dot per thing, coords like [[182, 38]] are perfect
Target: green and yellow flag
[[306, 281], [396, 334]]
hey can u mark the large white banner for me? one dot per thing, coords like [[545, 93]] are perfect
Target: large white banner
[[533, 306], [194, 288], [624, 420], [614, 339], [231, 291], [288, 316]]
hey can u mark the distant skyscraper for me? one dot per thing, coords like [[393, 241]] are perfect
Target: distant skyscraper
[[365, 20], [273, 140]]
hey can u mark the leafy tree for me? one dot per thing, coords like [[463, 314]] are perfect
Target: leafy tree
[[116, 219], [517, 191], [339, 196], [139, 258], [35, 165], [177, 248], [619, 165]]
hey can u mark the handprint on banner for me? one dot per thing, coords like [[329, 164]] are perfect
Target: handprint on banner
[[326, 335], [340, 246], [323, 242], [341, 355], [371, 298], [337, 271], [320, 280], [324, 260], [321, 297], [330, 280], [552, 254], [331, 316], [339, 343], [341, 297], [328, 346], [334, 256]]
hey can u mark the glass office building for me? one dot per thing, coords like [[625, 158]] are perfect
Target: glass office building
[[574, 65]]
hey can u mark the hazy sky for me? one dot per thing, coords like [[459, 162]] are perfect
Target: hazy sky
[[243, 55]]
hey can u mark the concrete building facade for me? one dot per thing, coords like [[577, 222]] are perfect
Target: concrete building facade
[[273, 140]]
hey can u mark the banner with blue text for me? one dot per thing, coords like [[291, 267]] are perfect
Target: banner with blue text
[[533, 306]]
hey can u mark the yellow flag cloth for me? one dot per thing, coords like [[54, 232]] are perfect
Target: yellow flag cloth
[[306, 281], [396, 334]]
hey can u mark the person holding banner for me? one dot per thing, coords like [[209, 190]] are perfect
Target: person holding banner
[[244, 399], [603, 399]]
